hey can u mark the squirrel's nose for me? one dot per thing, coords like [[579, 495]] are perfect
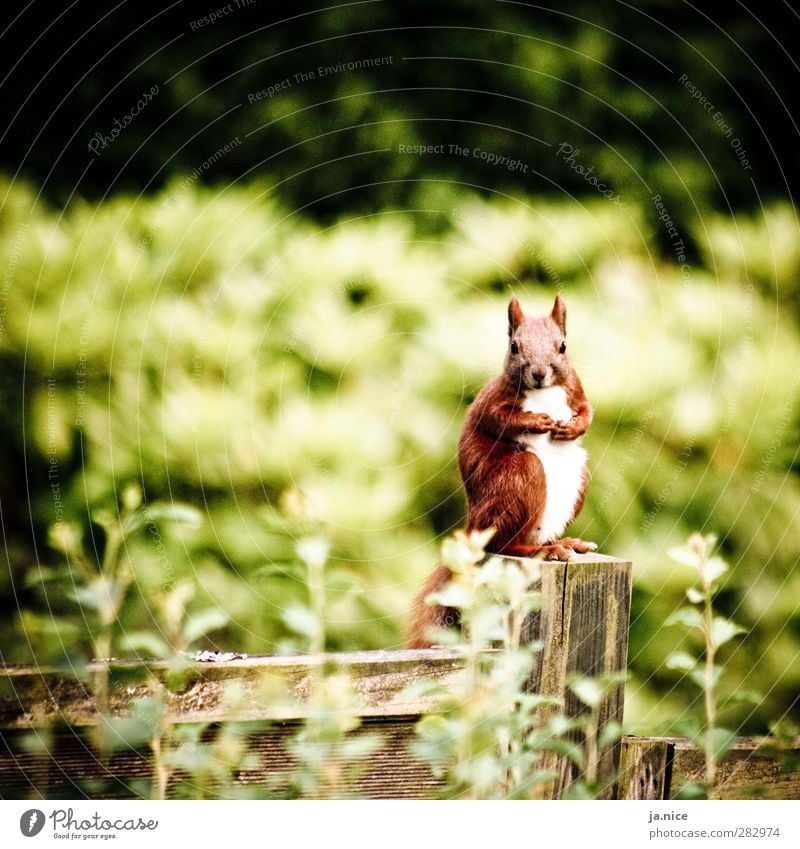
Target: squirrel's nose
[[537, 376]]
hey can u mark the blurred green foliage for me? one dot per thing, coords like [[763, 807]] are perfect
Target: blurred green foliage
[[286, 377], [654, 97]]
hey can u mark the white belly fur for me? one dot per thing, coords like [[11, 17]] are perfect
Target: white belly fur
[[563, 462]]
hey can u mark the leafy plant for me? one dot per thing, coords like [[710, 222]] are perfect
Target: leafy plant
[[712, 632], [491, 738], [198, 760], [586, 727], [328, 756], [178, 629], [100, 588]]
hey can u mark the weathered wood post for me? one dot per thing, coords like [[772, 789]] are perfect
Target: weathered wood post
[[583, 629], [754, 768]]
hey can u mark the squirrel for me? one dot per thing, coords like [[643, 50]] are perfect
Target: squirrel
[[520, 457]]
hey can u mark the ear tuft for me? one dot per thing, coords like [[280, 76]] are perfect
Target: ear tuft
[[515, 314], [559, 314]]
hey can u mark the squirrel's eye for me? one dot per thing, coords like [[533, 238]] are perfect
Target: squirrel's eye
[[563, 348], [514, 347]]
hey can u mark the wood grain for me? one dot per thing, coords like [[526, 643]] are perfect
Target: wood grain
[[271, 688], [657, 767], [583, 628], [71, 768]]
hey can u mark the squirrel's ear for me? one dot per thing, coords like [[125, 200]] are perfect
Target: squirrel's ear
[[515, 314], [559, 314]]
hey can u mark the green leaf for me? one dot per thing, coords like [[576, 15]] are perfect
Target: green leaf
[[118, 733], [211, 619], [38, 575], [314, 551], [688, 727], [681, 660], [65, 537], [485, 623], [149, 710], [480, 539], [493, 572], [160, 511], [577, 791], [102, 595], [181, 514], [723, 740], [698, 676], [39, 742], [131, 496], [142, 724], [566, 748], [431, 725], [145, 643], [289, 569], [451, 595], [462, 551], [424, 688], [560, 724], [688, 617], [531, 602], [107, 519], [691, 790], [301, 620], [714, 569], [587, 690], [741, 697], [610, 734], [343, 584], [177, 676], [723, 630], [537, 777], [702, 545], [359, 748], [695, 596], [534, 701], [784, 729], [445, 636], [685, 556]]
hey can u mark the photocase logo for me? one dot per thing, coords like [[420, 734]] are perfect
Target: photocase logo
[[65, 825], [31, 822]]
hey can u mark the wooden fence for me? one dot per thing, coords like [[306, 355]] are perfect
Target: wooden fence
[[46, 715]]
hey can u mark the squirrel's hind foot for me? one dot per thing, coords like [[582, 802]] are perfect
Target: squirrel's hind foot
[[579, 546], [561, 549]]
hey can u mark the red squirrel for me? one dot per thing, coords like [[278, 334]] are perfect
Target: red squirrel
[[520, 456]]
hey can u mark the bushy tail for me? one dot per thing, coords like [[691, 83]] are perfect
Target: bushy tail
[[425, 617]]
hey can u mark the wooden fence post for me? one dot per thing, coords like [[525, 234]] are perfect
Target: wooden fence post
[[645, 769], [583, 629], [658, 767]]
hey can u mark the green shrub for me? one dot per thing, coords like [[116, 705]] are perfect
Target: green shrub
[[277, 374]]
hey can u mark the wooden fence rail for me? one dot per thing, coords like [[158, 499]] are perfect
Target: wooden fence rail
[[46, 715]]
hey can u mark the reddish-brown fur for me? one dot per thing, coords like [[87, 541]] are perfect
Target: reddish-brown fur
[[505, 483]]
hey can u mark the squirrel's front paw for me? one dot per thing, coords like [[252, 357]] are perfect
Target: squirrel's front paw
[[564, 430], [540, 423]]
